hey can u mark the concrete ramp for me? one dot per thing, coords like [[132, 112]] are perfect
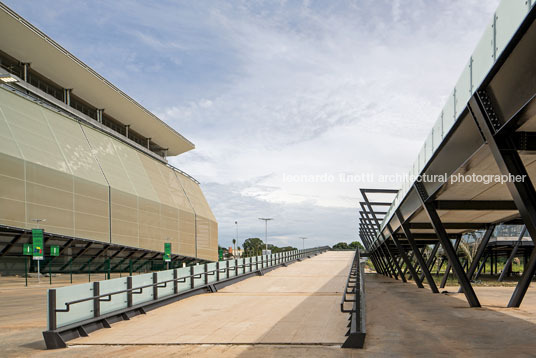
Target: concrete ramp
[[298, 304]]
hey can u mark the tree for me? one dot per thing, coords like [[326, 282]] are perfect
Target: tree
[[253, 246], [341, 246], [355, 244]]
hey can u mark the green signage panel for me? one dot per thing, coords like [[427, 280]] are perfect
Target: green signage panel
[[54, 250], [220, 254], [38, 245], [167, 251], [27, 249]]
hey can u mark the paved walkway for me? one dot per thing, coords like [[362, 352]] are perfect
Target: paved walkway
[[298, 304], [292, 312]]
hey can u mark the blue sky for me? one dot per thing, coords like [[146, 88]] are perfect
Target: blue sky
[[275, 90]]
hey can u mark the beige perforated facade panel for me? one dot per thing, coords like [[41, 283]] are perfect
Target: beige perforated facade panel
[[205, 223], [87, 184]]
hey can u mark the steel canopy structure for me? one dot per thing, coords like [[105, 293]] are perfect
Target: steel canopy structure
[[478, 164]]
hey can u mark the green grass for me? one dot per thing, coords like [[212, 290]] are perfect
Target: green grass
[[484, 280]]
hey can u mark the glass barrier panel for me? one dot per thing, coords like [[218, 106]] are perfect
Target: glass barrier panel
[[509, 15], [169, 289], [181, 273], [77, 312], [483, 57], [212, 267], [147, 293], [118, 301]]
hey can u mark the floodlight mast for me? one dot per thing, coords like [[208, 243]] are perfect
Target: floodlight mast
[[266, 231], [303, 242]]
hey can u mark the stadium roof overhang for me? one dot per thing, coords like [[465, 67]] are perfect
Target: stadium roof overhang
[[25, 42]]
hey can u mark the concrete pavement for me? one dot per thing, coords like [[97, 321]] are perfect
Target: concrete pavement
[[298, 304], [402, 321]]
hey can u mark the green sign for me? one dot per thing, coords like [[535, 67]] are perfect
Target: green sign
[[167, 251], [27, 249], [220, 254], [54, 250], [38, 245]]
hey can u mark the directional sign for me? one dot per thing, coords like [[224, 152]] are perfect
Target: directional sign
[[27, 249], [54, 250], [38, 244], [167, 251]]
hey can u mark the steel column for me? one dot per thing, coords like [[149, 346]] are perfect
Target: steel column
[[417, 253], [395, 262], [449, 266], [479, 253], [441, 233], [405, 258], [431, 260], [504, 150], [483, 265], [512, 255]]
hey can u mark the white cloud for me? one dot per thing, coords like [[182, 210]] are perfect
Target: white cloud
[[268, 89]]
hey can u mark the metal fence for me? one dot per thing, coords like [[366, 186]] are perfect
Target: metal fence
[[355, 288], [77, 310]]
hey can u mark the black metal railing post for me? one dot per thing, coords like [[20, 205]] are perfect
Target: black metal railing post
[[155, 285], [175, 283], [96, 301], [52, 309], [192, 277], [129, 292]]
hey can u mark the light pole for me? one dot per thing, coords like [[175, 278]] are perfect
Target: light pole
[[37, 221], [236, 223], [266, 231], [303, 242]]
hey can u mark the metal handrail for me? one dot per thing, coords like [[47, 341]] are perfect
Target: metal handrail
[[355, 286], [353, 274], [178, 280], [107, 297]]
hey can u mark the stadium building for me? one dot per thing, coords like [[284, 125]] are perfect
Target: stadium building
[[85, 162]]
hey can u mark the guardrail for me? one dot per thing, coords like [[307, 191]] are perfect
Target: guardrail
[[77, 310], [355, 286]]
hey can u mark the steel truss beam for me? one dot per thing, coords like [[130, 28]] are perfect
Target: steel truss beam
[[405, 258], [503, 147], [100, 252], [486, 255], [10, 244], [480, 251], [80, 253], [373, 255], [372, 231], [120, 250], [431, 260], [453, 226], [371, 211], [512, 255], [123, 260], [475, 205], [449, 266], [416, 252], [62, 250], [430, 210]]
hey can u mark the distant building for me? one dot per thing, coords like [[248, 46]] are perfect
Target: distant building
[[80, 153]]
